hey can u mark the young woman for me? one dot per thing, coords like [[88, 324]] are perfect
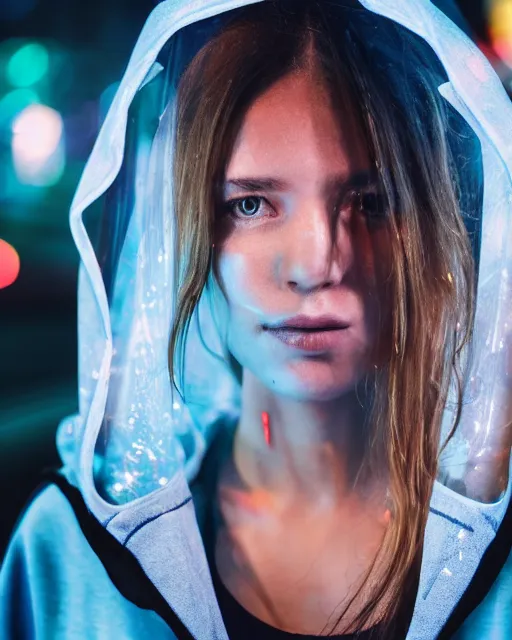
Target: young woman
[[280, 331]]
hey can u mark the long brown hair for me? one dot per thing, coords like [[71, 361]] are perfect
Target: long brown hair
[[393, 77]]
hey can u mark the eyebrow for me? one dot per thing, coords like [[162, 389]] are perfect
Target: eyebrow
[[357, 179], [257, 184]]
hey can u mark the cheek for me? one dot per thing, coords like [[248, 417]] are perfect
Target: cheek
[[372, 255], [244, 279], [234, 272], [383, 270], [383, 255], [372, 279], [381, 304]]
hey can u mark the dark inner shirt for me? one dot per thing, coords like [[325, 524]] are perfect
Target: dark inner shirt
[[240, 624]]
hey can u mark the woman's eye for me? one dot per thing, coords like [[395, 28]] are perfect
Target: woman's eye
[[245, 207], [372, 205]]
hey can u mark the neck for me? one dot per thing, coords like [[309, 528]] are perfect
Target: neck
[[316, 448]]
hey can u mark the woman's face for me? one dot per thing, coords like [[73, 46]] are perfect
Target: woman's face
[[303, 232]]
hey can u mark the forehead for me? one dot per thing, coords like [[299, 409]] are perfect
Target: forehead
[[293, 128]]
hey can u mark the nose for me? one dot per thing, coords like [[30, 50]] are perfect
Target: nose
[[317, 251]]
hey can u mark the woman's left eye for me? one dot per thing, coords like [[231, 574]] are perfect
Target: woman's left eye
[[371, 204]]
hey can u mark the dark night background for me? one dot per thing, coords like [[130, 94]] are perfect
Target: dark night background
[[87, 46]]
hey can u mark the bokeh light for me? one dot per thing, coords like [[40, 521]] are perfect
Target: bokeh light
[[37, 146], [28, 65], [500, 29], [14, 103], [9, 264]]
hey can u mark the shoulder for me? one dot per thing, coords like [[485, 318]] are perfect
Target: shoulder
[[53, 585], [49, 519], [493, 618], [46, 539]]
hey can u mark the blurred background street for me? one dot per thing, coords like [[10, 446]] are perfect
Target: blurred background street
[[59, 65]]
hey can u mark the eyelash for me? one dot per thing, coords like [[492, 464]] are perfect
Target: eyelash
[[380, 211]]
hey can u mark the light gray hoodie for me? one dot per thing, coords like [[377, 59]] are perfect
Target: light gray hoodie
[[133, 430]]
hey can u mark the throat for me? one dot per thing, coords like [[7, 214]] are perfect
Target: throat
[[290, 562], [287, 446], [296, 569]]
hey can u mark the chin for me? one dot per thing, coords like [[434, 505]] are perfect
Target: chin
[[310, 381]]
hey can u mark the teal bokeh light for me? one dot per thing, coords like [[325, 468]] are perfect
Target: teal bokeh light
[[14, 103], [28, 65]]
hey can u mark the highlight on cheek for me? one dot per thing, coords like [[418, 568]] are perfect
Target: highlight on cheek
[[238, 275]]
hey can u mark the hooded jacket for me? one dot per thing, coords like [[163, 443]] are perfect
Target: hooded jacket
[[113, 545]]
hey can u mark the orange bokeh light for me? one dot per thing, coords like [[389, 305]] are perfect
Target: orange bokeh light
[[500, 28], [9, 264]]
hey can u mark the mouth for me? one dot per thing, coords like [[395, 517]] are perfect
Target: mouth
[[308, 329], [309, 324], [312, 339]]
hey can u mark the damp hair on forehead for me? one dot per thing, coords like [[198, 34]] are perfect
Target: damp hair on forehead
[[391, 78]]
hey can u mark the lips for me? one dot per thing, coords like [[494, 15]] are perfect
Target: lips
[[310, 323], [307, 333]]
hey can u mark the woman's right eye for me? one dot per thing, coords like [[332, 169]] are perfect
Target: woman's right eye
[[247, 207]]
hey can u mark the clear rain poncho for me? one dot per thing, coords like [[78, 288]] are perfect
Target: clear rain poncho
[[135, 444]]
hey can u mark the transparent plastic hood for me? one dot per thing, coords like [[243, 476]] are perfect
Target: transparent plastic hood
[[134, 432]]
